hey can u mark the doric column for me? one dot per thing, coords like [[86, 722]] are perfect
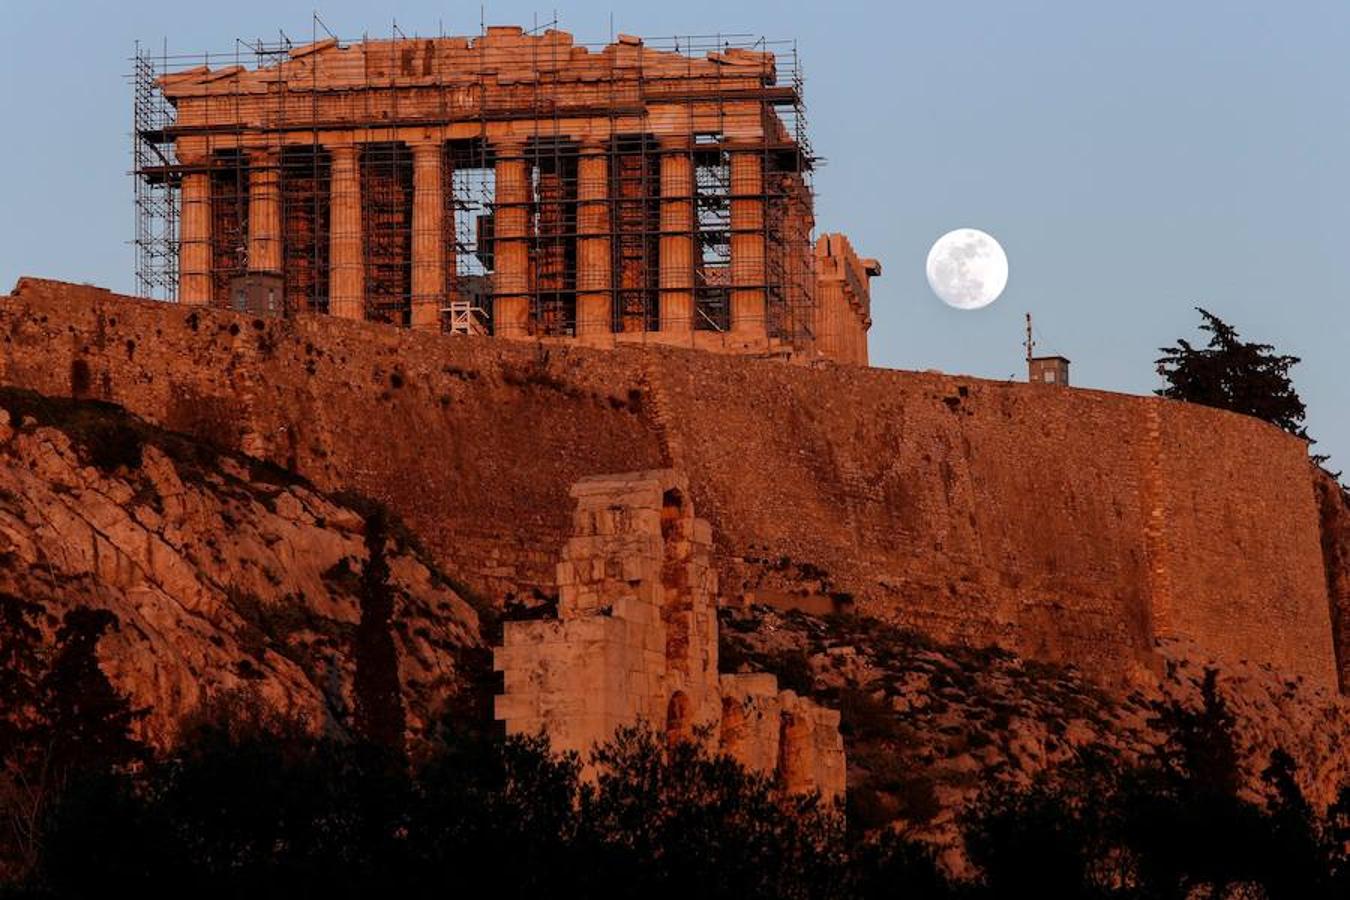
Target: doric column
[[677, 237], [428, 237], [346, 268], [747, 243], [264, 213], [194, 236], [594, 264], [510, 242]]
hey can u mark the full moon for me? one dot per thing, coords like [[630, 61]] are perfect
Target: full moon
[[967, 269]]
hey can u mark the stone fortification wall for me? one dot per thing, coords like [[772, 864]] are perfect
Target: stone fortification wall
[[1335, 507], [1065, 524]]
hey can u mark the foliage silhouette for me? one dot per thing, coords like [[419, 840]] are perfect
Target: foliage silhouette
[[65, 731], [20, 669], [87, 722], [678, 821], [1175, 826], [380, 718], [253, 803], [1233, 374]]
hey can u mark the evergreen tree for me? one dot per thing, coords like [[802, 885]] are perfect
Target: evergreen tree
[[1052, 838], [674, 820], [1188, 828], [88, 723], [1233, 374], [20, 668], [21, 798], [1201, 746], [1337, 837], [380, 717], [1298, 863]]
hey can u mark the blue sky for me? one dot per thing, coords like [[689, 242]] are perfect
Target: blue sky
[[1135, 160]]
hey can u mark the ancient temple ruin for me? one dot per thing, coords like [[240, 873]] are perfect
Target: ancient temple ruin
[[515, 184], [635, 641]]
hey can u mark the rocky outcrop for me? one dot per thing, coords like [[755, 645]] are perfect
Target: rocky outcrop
[[926, 725], [223, 572]]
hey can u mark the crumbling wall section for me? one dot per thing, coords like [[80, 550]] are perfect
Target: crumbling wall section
[[636, 641]]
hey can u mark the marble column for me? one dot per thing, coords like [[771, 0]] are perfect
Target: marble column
[[428, 237], [594, 263], [346, 266], [511, 246], [194, 236], [747, 244], [677, 238], [264, 212]]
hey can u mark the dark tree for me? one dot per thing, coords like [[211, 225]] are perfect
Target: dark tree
[[1201, 746], [62, 724], [678, 821], [1052, 838], [21, 796], [892, 865], [1300, 862], [380, 718], [483, 806], [1337, 837], [1233, 374], [1182, 816], [20, 669], [88, 723], [252, 804]]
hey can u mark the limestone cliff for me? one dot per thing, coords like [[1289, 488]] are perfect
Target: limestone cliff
[[223, 572]]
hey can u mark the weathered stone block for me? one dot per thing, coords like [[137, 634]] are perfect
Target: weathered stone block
[[640, 644]]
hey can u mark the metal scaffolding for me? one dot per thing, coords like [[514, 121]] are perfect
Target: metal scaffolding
[[663, 247]]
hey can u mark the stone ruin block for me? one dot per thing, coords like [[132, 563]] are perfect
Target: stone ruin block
[[636, 641]]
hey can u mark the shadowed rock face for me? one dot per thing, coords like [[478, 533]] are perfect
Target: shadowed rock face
[[223, 572]]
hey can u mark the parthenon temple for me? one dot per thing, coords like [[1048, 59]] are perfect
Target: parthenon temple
[[514, 184]]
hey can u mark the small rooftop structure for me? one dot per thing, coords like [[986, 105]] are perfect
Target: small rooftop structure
[[1048, 370], [1044, 369]]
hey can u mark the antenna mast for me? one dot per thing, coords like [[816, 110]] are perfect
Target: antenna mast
[[1031, 345]]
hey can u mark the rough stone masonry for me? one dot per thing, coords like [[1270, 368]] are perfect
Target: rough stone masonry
[[1075, 526], [636, 641]]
